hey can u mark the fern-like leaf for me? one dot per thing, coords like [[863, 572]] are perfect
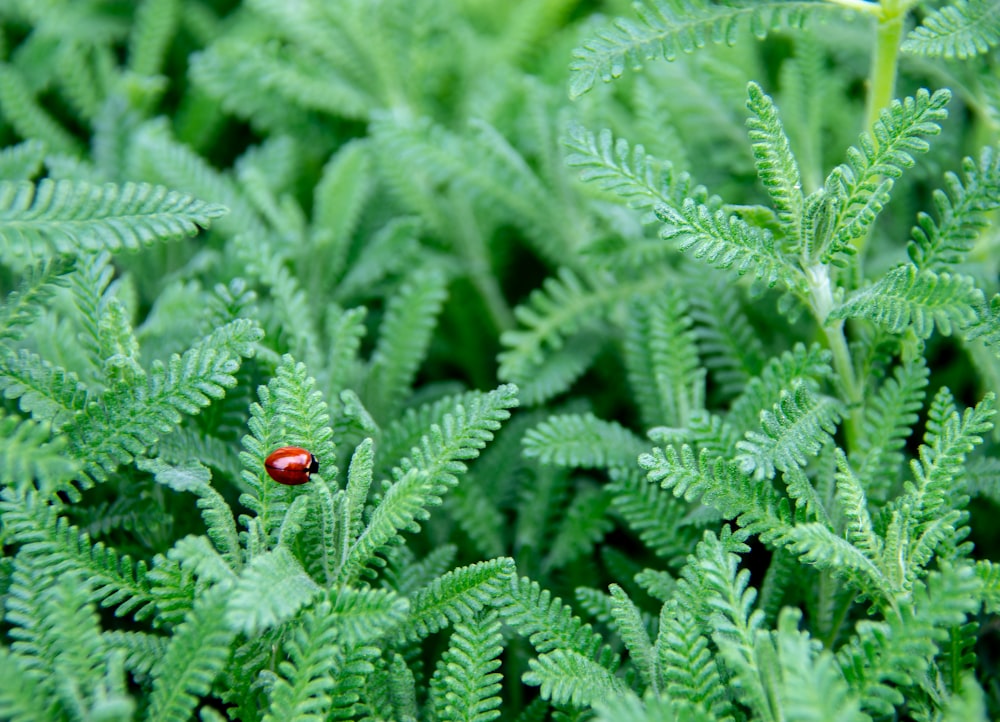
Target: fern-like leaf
[[465, 686], [141, 651], [22, 162], [888, 417], [721, 484], [116, 581], [816, 544], [986, 327], [399, 436], [853, 502], [192, 476], [407, 575], [685, 667], [726, 241], [558, 370], [776, 166], [23, 690], [628, 620], [354, 666], [155, 155], [861, 186], [989, 574], [567, 677], [392, 251], [651, 708], [962, 29], [421, 157], [661, 358], [271, 589], [652, 513], [583, 440], [667, 28], [962, 210], [636, 177], [584, 524], [256, 84], [306, 681], [22, 111], [155, 23], [458, 595], [30, 455], [812, 686], [365, 615], [359, 479], [36, 287], [403, 341], [800, 365], [982, 474], [564, 306], [431, 470], [72, 217], [473, 506], [728, 344], [133, 418], [797, 427], [950, 437], [885, 660], [967, 702], [339, 197], [54, 630], [732, 621], [195, 655], [345, 330], [551, 625], [907, 297], [49, 393]]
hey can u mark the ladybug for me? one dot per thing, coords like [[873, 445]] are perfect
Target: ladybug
[[291, 465]]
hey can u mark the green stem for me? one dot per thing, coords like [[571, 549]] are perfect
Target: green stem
[[865, 6], [838, 619], [882, 76], [885, 60], [844, 366], [821, 302]]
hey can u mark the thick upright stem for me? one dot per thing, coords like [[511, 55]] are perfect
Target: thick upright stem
[[885, 61]]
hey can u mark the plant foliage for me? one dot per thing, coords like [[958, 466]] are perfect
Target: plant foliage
[[648, 358]]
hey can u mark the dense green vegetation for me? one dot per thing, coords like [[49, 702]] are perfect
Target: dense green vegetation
[[649, 355]]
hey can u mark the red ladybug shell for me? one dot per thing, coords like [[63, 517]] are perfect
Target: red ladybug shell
[[291, 465]]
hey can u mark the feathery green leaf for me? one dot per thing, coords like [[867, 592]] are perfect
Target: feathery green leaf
[[962, 29], [458, 595], [667, 28], [797, 427], [776, 166], [568, 677], [196, 654], [582, 440], [861, 186], [465, 686], [72, 217], [271, 589], [909, 298], [962, 210]]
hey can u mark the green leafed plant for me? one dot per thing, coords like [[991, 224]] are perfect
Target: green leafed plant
[[622, 366]]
